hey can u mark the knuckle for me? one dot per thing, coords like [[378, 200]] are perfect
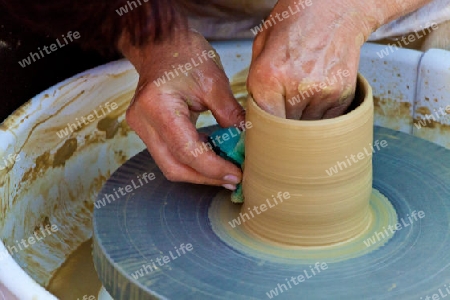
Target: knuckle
[[172, 175], [257, 70], [185, 153], [265, 77], [237, 112]]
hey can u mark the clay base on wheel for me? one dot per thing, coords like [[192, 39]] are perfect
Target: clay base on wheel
[[225, 216]]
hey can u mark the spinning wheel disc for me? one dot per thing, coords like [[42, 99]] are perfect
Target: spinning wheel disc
[[149, 225]]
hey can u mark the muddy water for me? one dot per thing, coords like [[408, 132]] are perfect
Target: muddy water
[[77, 276]]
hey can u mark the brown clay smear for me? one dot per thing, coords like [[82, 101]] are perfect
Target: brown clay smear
[[47, 186], [391, 113]]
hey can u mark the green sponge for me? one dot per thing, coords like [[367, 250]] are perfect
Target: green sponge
[[228, 143]]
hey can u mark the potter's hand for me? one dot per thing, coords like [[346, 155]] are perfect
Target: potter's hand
[[305, 65], [164, 114]]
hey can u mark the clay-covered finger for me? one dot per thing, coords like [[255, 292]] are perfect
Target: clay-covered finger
[[326, 98], [220, 100], [296, 101], [172, 169], [265, 85], [186, 146], [340, 109]]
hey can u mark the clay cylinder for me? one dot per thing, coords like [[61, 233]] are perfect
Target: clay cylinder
[[310, 181]]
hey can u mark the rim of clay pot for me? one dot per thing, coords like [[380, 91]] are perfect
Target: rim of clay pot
[[359, 106]]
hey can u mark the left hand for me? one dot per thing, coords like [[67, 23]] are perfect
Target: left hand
[[168, 102]]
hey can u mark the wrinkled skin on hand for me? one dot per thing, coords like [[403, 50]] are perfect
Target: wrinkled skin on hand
[[305, 66], [164, 116]]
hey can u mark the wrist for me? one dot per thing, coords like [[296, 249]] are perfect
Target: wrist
[[374, 14], [141, 56], [356, 17], [134, 53], [364, 17]]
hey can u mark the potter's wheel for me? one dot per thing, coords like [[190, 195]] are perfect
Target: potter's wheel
[[156, 218]]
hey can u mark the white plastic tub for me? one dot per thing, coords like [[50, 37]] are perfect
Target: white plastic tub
[[53, 180]]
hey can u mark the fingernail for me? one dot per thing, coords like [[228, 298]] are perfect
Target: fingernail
[[231, 178], [230, 187]]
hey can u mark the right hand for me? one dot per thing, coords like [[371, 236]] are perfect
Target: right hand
[[164, 116], [305, 66]]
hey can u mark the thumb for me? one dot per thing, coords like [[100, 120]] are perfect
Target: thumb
[[223, 105]]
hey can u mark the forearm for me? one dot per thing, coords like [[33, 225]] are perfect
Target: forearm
[[435, 12], [359, 18], [380, 12], [371, 15], [138, 53]]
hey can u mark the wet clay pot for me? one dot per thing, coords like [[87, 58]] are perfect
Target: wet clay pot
[[308, 183]]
